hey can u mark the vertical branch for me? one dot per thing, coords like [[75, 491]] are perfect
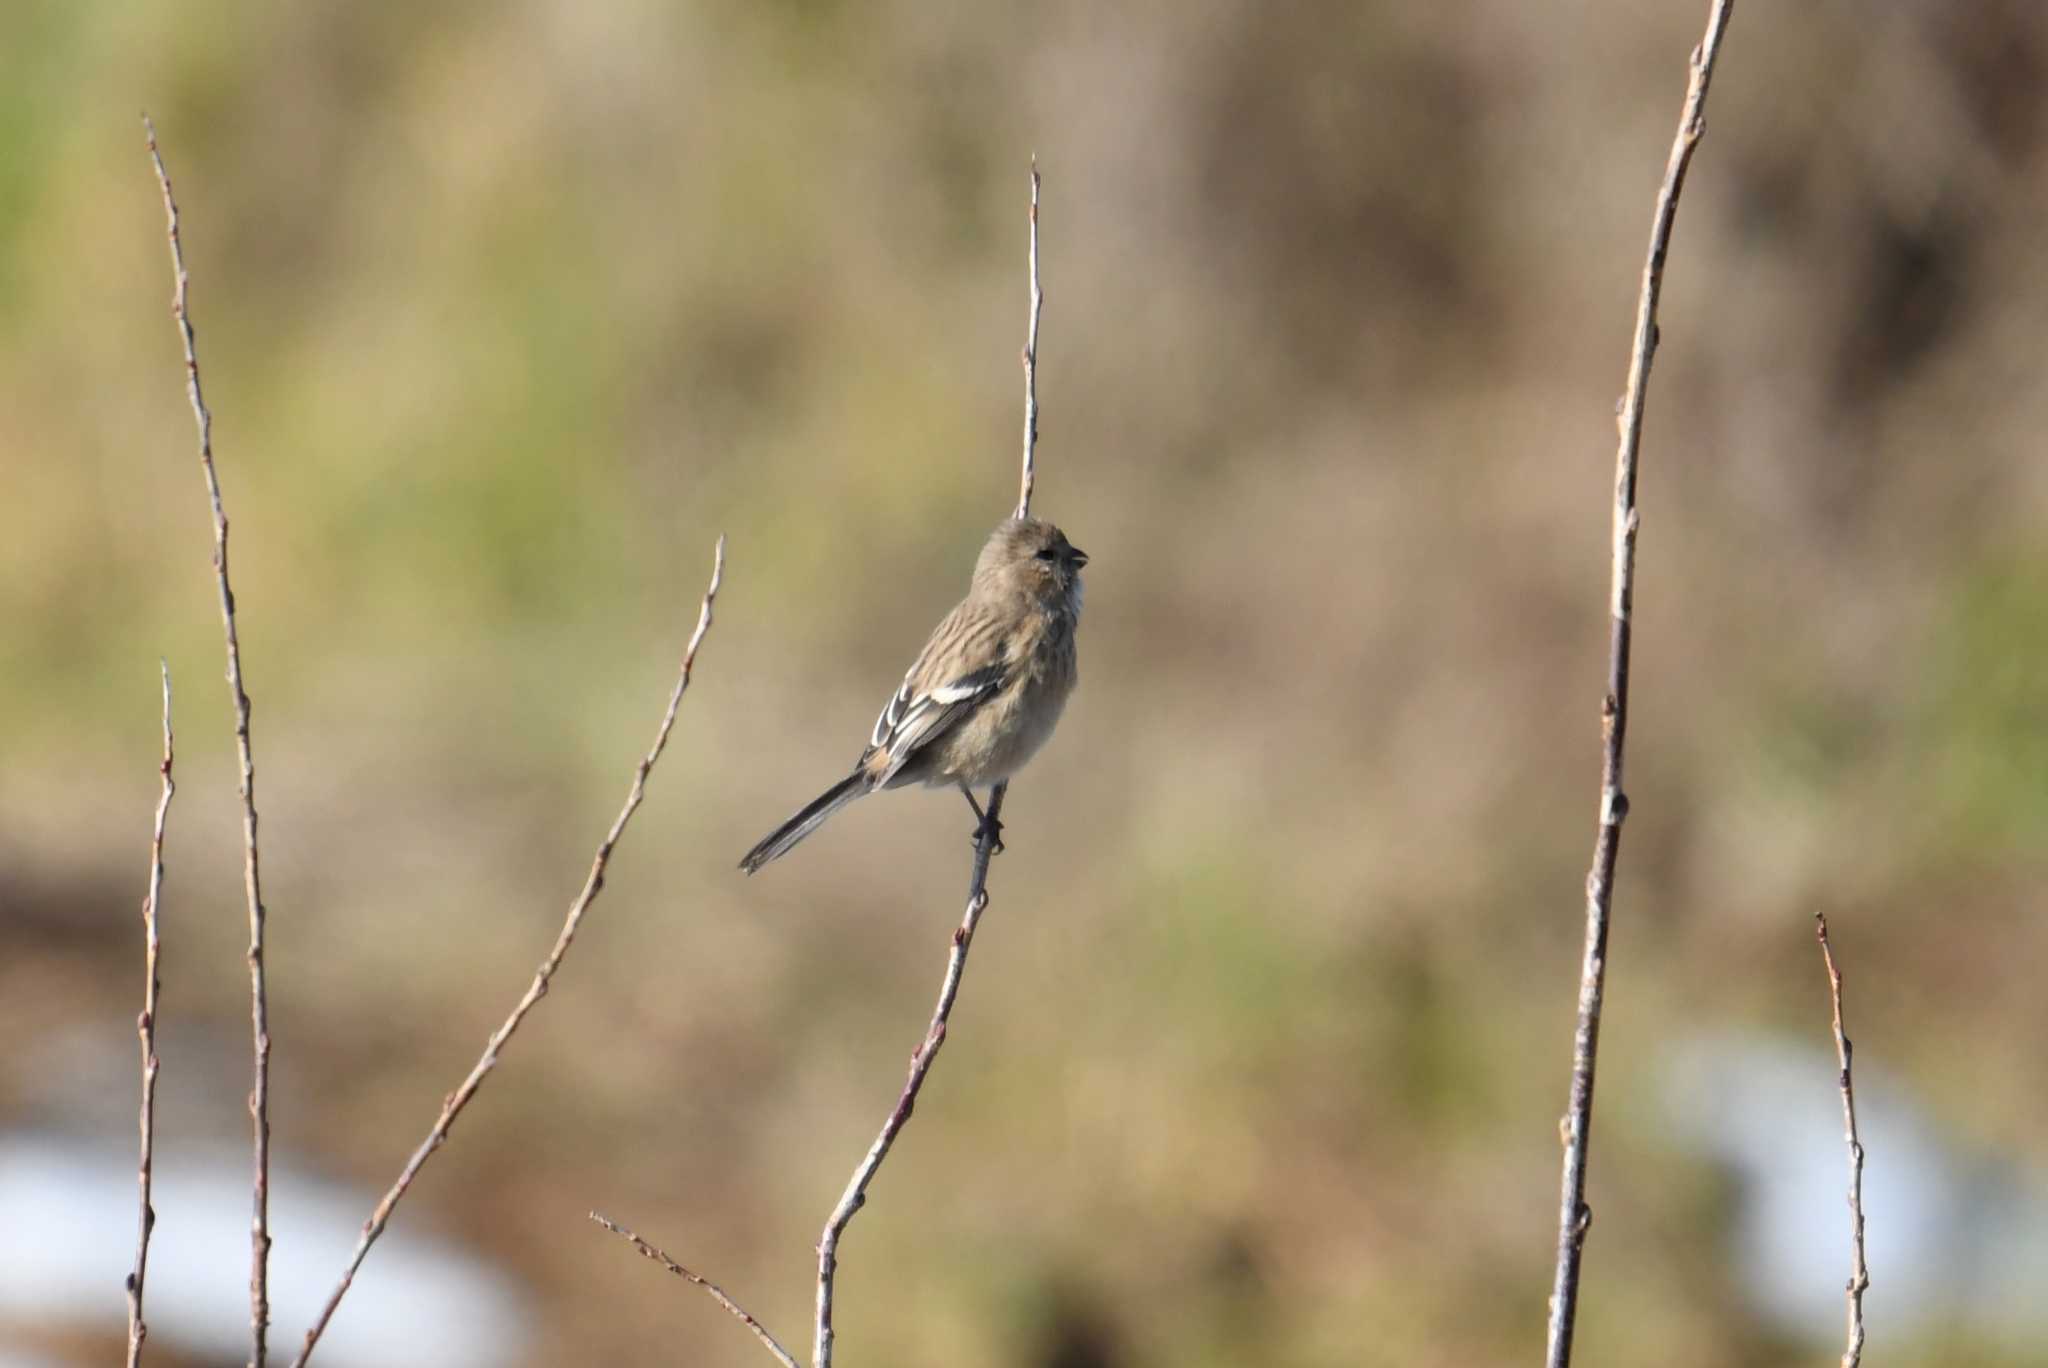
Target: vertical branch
[[259, 1013], [452, 1106], [145, 1028], [856, 1193], [1859, 1270], [1031, 363], [1574, 1216]]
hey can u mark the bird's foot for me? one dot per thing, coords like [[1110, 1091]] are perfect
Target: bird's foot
[[985, 823], [993, 832]]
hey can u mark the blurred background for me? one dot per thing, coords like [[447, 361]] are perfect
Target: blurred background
[[506, 311]]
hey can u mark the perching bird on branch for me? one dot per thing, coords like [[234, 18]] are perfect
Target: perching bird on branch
[[985, 691]]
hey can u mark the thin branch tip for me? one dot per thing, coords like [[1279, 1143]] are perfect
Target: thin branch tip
[[238, 695], [1037, 302], [718, 1294], [1859, 1267], [453, 1103], [1574, 1215], [145, 1028]]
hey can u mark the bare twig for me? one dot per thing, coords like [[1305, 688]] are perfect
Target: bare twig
[[718, 1295], [927, 1050], [145, 1028], [921, 1059], [1574, 1216], [259, 1013], [457, 1100], [1031, 363], [1859, 1270]]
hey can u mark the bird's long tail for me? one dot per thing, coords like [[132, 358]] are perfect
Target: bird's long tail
[[780, 841]]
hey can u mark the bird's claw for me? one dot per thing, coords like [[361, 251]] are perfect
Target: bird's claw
[[993, 831]]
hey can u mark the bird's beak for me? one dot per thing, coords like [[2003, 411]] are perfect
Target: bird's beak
[[1077, 556]]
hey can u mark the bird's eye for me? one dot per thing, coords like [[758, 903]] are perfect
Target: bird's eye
[[1047, 554]]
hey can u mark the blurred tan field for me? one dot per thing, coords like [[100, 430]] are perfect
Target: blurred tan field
[[506, 312]]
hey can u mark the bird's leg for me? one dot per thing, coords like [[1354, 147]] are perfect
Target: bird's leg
[[981, 823]]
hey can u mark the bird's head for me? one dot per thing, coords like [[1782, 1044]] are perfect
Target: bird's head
[[1032, 558]]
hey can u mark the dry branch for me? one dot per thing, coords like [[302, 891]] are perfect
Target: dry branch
[[1574, 1216], [259, 1013], [927, 1050], [145, 1028], [457, 1100], [716, 1292], [856, 1193], [1031, 364], [1859, 1270]]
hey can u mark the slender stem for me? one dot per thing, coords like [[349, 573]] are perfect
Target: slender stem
[[1859, 1269], [921, 1059], [538, 989], [1031, 364], [145, 1027], [716, 1292], [927, 1050], [1574, 1215], [259, 1012]]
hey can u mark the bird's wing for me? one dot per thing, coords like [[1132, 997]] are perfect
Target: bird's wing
[[917, 716]]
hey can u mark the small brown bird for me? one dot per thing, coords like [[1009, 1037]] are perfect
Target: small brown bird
[[985, 691]]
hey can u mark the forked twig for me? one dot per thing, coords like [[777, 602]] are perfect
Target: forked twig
[[145, 1028], [457, 1100], [1859, 1270], [716, 1292], [1574, 1216], [259, 1012]]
